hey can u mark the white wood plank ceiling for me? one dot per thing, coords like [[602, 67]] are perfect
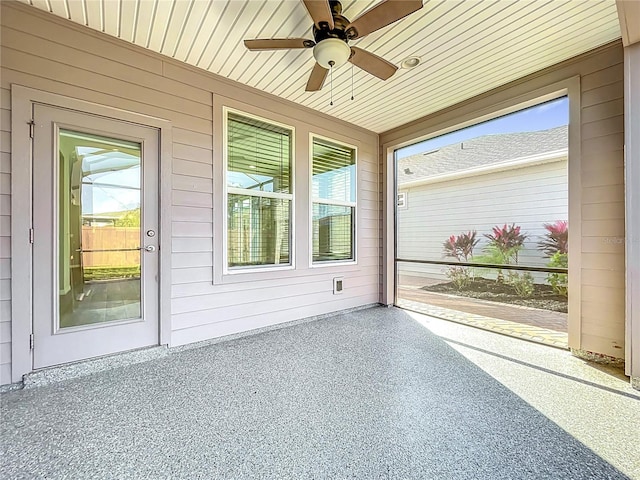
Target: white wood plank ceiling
[[466, 47]]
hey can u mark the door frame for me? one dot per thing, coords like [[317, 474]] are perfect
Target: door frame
[[22, 101]]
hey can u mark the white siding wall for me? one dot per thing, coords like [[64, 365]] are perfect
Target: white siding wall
[[44, 52], [528, 197]]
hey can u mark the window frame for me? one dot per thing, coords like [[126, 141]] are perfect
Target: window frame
[[313, 200], [226, 269]]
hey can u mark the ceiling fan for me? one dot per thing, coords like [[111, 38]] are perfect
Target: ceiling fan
[[332, 33]]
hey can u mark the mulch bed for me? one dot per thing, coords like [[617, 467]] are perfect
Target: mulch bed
[[543, 296]]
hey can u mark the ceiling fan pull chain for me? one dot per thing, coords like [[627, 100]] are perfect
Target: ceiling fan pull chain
[[331, 67], [352, 81]]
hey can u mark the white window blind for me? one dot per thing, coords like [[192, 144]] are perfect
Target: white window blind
[[259, 192], [334, 201]]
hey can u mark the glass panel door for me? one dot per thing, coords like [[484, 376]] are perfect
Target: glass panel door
[[99, 229], [95, 227]]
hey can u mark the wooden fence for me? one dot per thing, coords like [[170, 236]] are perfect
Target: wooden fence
[[103, 246]]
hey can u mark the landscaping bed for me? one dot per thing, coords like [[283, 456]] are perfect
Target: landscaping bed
[[543, 296]]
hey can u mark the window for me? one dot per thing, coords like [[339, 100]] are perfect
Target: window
[[402, 200], [259, 192], [334, 201]]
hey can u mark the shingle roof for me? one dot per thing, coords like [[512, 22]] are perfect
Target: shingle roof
[[481, 151]]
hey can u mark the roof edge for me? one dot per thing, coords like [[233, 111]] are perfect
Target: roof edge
[[528, 161]]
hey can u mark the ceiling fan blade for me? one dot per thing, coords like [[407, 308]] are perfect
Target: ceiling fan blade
[[319, 11], [375, 65], [383, 14], [278, 43], [316, 79]]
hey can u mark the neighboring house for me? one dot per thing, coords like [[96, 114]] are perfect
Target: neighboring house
[[477, 184]]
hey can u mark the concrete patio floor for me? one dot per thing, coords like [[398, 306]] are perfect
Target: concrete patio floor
[[377, 393]]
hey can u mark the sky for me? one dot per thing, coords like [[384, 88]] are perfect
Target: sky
[[553, 113], [121, 192]]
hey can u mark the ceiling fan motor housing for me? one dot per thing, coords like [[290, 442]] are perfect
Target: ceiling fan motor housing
[[340, 25], [332, 49]]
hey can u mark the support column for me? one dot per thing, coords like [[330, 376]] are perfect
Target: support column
[[629, 16], [632, 208]]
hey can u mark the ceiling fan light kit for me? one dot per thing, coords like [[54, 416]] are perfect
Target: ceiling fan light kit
[[331, 53], [332, 33]]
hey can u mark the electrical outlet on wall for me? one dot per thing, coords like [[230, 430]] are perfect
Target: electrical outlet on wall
[[338, 285]]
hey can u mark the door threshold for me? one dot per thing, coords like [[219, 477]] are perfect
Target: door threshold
[[69, 371]]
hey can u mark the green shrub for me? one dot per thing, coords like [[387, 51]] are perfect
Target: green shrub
[[461, 277], [522, 283], [559, 281]]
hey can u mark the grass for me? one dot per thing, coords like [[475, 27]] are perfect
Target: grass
[[110, 273]]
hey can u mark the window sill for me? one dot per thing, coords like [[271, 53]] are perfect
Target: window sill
[[337, 263], [253, 270]]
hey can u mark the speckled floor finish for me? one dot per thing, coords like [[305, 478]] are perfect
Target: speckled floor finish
[[370, 394]]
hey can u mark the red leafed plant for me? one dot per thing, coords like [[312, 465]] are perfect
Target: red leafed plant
[[507, 240], [461, 247], [556, 238]]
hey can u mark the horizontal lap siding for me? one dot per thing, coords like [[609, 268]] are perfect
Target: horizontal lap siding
[[198, 286], [603, 229], [5, 237], [46, 53], [528, 197], [282, 313]]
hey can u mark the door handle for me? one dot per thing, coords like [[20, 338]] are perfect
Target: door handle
[[148, 248], [101, 250]]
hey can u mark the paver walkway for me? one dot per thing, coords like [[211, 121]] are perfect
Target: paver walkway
[[536, 325]]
